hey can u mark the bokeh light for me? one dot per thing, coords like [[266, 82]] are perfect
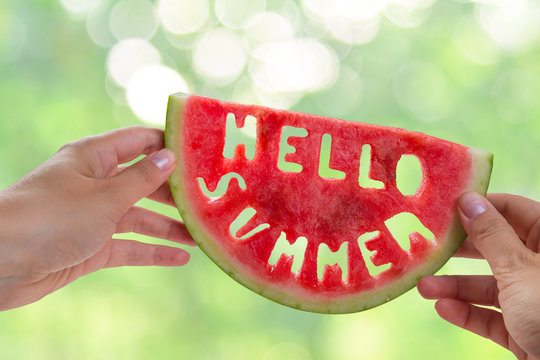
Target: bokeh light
[[133, 19], [183, 16], [183, 41], [514, 25], [465, 70], [127, 56], [407, 13], [219, 55], [80, 7], [238, 13], [147, 91], [115, 91], [97, 24], [269, 26], [296, 65], [475, 43], [350, 21], [344, 96]]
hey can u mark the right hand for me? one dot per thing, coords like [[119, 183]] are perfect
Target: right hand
[[506, 232]]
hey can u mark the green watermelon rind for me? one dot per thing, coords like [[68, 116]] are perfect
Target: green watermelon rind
[[482, 162]]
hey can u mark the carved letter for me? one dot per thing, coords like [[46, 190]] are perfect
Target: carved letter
[[235, 136], [242, 220], [404, 224], [372, 268], [326, 257], [409, 175], [365, 164], [222, 185], [325, 171], [285, 148], [296, 250]]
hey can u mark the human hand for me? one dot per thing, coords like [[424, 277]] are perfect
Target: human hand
[[506, 232], [57, 222]]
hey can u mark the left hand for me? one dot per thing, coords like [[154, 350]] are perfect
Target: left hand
[[57, 222], [505, 231]]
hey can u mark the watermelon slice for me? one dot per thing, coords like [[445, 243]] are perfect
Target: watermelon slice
[[239, 203]]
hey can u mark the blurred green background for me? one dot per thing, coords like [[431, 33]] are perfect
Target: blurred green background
[[465, 71]]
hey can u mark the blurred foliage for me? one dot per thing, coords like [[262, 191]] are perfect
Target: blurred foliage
[[447, 72]]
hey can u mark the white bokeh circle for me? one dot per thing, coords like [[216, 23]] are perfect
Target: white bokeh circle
[[133, 19], [148, 90], [127, 56], [297, 65], [183, 16], [219, 55]]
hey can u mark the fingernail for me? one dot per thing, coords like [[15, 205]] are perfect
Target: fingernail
[[163, 159], [472, 204]]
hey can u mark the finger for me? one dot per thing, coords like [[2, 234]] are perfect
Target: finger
[[130, 142], [163, 195], [476, 289], [117, 170], [140, 179], [134, 253], [118, 253], [467, 250], [146, 222], [491, 234], [481, 321], [123, 145], [522, 214]]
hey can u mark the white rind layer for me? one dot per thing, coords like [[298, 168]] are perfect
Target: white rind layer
[[294, 296]]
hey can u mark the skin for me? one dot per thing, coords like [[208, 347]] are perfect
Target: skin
[[57, 223], [503, 307]]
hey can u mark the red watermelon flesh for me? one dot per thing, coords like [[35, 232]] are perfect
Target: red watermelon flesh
[[331, 211]]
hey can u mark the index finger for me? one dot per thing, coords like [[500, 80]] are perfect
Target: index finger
[[468, 250], [491, 234], [122, 145], [522, 214]]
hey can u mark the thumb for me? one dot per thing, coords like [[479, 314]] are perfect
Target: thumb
[[142, 178], [491, 234]]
